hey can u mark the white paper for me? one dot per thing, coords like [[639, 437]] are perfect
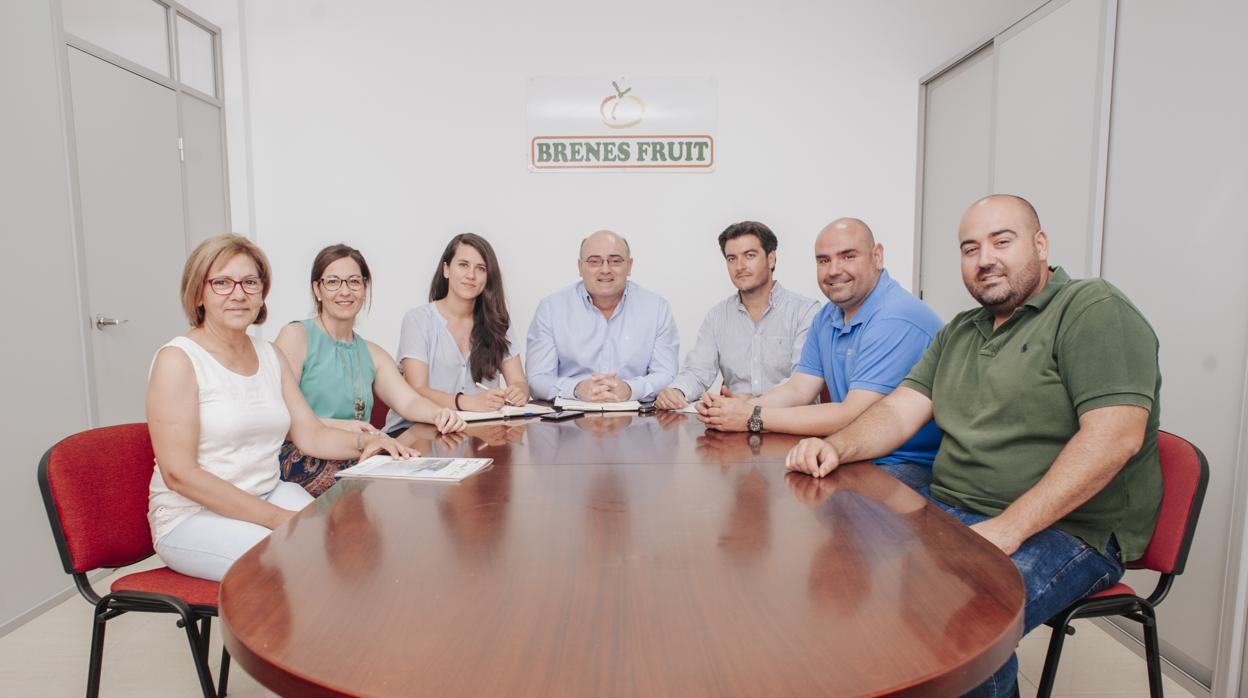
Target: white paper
[[629, 406], [441, 469], [508, 411]]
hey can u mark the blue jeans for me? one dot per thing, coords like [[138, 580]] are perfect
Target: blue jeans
[[912, 475], [1058, 569]]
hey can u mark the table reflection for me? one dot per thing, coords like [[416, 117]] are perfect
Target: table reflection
[[610, 437]]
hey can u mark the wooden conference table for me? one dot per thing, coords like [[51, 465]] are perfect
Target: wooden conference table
[[622, 555]]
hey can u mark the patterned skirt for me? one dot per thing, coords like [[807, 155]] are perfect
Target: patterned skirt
[[312, 474]]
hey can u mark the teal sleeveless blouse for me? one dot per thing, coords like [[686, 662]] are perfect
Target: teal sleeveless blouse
[[336, 374]]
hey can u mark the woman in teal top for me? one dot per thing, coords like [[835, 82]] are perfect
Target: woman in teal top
[[338, 370], [337, 376]]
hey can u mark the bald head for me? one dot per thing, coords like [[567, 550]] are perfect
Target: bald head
[[1004, 253], [605, 263], [848, 263], [1011, 205], [606, 239], [849, 230]]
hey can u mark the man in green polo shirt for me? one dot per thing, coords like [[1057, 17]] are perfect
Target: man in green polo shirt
[[1047, 397]]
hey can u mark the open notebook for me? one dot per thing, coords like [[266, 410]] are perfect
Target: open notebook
[[529, 410], [439, 469], [629, 406]]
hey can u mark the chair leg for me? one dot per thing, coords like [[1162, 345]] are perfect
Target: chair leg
[[205, 635], [97, 652], [1152, 653], [225, 673], [1049, 676], [199, 651]]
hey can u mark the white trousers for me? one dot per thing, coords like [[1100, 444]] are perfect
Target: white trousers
[[206, 544]]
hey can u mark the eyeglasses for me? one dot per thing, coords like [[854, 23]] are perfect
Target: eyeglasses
[[224, 285], [333, 283], [614, 261]]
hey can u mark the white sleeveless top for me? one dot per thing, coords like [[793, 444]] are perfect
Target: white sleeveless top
[[242, 424]]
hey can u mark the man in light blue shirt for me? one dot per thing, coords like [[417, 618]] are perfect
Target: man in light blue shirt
[[860, 346], [604, 338], [755, 336]]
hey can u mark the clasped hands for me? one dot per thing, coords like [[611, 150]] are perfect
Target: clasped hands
[[721, 412], [603, 387]]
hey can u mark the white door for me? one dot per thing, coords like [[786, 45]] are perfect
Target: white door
[[206, 211], [956, 159], [133, 226], [1047, 129], [1018, 117]]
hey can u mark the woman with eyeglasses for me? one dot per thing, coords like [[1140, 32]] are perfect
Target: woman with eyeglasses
[[455, 349], [338, 370], [219, 406]]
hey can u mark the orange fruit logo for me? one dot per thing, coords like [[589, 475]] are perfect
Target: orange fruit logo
[[621, 109]]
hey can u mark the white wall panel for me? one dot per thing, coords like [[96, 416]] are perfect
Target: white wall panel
[[957, 153], [41, 358], [1046, 124], [1175, 241]]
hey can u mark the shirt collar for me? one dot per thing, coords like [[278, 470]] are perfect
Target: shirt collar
[[588, 301], [771, 297], [869, 306], [1058, 279]]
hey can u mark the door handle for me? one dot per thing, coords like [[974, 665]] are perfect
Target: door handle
[[101, 322]]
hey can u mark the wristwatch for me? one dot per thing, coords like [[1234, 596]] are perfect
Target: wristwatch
[[755, 422]]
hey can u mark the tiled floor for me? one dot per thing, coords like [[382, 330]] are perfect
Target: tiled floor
[[147, 655], [1093, 665]]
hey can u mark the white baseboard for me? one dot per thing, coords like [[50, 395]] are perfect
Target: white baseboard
[[48, 603]]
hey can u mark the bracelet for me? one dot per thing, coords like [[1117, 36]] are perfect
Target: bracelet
[[457, 397], [359, 442]]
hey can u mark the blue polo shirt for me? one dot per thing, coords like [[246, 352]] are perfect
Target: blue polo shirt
[[874, 351]]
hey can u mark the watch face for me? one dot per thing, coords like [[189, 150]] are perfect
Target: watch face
[[756, 443]]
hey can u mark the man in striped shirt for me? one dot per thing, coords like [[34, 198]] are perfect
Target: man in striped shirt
[[754, 337]]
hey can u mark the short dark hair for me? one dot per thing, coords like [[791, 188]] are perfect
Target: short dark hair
[[765, 237]]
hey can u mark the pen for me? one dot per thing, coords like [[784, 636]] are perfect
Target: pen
[[488, 388]]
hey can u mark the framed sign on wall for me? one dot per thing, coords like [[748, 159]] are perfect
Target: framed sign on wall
[[631, 124]]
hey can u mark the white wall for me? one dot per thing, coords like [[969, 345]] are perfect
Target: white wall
[[227, 15], [393, 126], [1175, 241], [46, 390], [41, 361]]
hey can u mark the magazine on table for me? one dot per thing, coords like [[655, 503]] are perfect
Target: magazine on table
[[437, 469]]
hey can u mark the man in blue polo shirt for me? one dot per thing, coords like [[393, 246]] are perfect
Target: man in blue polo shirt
[[860, 345]]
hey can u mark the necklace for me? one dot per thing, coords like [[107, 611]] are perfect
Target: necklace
[[351, 373]]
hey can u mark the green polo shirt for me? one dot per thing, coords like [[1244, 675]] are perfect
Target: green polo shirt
[[1008, 400]]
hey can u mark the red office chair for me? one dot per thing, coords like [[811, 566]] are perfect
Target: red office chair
[[94, 487], [380, 412], [1185, 473]]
